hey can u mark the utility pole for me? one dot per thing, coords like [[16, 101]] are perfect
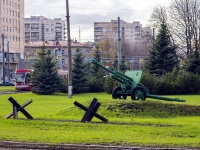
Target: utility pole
[[3, 61], [8, 59], [153, 35], [119, 44], [79, 35], [69, 53]]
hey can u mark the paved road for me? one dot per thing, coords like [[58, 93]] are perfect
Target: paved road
[[9, 145]]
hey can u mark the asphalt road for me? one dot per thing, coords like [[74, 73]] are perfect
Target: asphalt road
[[9, 145]]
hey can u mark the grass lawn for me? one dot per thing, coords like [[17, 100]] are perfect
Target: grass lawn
[[7, 88], [57, 120]]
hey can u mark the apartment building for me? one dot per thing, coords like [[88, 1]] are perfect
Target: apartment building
[[11, 27], [131, 31], [137, 38], [40, 28], [59, 51]]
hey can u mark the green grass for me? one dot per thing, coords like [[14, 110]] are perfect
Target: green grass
[[7, 88], [57, 120]]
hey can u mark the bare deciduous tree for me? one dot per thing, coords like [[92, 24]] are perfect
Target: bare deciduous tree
[[158, 15], [185, 24]]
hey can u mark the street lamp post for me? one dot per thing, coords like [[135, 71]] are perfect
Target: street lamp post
[[8, 57], [3, 61], [69, 53]]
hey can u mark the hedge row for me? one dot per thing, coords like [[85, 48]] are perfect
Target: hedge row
[[175, 82]]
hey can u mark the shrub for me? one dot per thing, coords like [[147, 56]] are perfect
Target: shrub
[[175, 82], [109, 84], [64, 85], [95, 84]]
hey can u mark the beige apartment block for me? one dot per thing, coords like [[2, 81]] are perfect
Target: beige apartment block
[[137, 39], [59, 51], [130, 31], [40, 28], [12, 27]]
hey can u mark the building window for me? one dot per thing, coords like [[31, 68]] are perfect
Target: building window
[[137, 29], [98, 28]]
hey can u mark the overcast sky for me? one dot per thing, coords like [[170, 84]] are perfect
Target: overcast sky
[[83, 13]]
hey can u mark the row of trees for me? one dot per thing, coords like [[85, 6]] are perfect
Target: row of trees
[[162, 57], [176, 46], [86, 77], [182, 19]]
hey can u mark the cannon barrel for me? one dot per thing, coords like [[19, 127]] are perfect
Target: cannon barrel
[[115, 73], [164, 98], [98, 64]]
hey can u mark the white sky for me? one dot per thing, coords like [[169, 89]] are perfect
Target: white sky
[[83, 13]]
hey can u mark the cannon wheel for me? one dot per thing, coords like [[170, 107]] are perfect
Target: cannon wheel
[[138, 94], [114, 92]]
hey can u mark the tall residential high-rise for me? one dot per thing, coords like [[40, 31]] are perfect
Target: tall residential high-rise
[[130, 31], [40, 28], [134, 41], [12, 27]]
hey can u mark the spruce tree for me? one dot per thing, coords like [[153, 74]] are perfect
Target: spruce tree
[[162, 57], [115, 64], [192, 64], [45, 78], [78, 73], [96, 80], [122, 66], [97, 57]]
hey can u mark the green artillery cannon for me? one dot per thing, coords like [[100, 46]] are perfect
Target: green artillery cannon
[[130, 85]]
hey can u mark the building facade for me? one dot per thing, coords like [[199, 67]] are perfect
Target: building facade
[[131, 31], [135, 41], [59, 51], [12, 35], [40, 28]]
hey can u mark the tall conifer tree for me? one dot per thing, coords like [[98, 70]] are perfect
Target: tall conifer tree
[[96, 80], [122, 66], [162, 57], [45, 78], [79, 73], [97, 57]]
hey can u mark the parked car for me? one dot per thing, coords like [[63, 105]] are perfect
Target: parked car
[[7, 84]]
